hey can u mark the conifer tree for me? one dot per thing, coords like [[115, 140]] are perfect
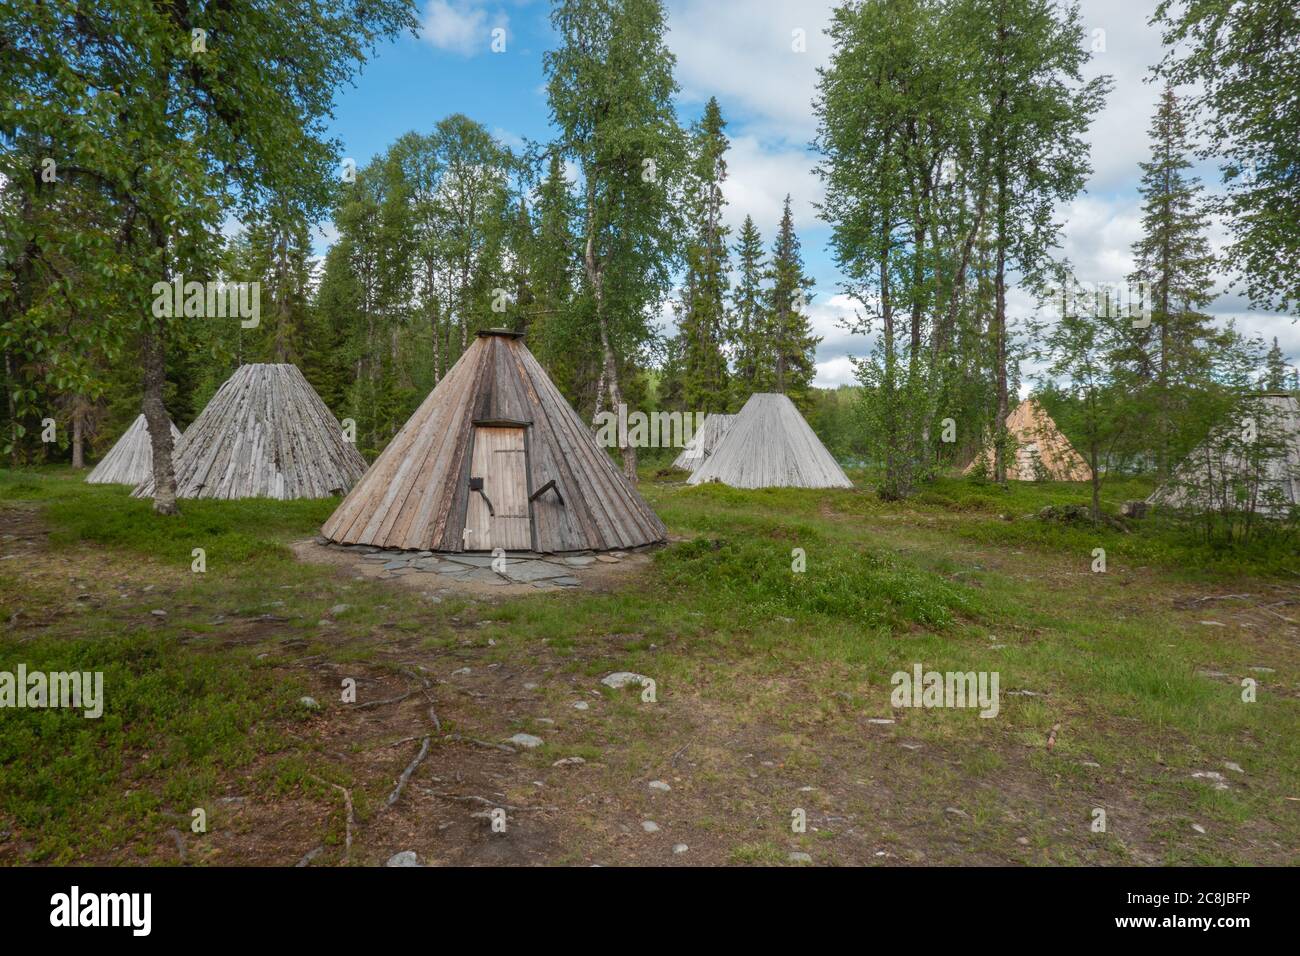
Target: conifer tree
[[703, 325]]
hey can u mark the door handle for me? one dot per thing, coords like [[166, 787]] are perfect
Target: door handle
[[549, 486], [476, 484]]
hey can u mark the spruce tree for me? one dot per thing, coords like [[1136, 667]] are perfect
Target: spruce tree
[[703, 324], [747, 320], [1173, 262], [788, 334]]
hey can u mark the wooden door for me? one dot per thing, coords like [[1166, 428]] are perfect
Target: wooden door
[[500, 458]]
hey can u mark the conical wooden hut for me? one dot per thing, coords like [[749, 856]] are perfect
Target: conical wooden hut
[[495, 458], [1249, 463], [265, 434], [770, 445], [130, 460], [1041, 452], [703, 442]]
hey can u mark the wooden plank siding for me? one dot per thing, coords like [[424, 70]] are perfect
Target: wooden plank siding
[[769, 445], [130, 460], [265, 434], [416, 494]]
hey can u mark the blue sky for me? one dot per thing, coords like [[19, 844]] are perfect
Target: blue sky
[[744, 52]]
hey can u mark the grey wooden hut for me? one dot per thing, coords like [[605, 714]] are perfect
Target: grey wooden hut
[[1249, 463], [770, 445], [265, 434], [130, 460], [495, 458], [703, 442]]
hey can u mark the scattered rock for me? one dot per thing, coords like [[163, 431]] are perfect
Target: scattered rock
[[159, 612], [659, 785], [880, 720], [405, 858], [957, 813], [1234, 767], [309, 702], [649, 826], [459, 671], [799, 858], [1198, 828], [620, 679], [568, 762], [338, 609], [579, 562], [679, 848], [1219, 781], [1214, 624], [580, 705], [527, 741]]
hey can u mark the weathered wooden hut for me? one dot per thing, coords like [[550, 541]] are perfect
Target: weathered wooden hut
[[265, 434], [769, 445], [130, 460], [704, 441], [1251, 462], [495, 458], [1041, 452]]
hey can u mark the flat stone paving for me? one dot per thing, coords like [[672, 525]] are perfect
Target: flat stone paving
[[542, 571]]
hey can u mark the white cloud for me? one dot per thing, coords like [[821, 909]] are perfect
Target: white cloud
[[747, 60], [758, 177], [460, 27]]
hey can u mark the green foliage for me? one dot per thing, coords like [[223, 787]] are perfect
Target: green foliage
[[1239, 58]]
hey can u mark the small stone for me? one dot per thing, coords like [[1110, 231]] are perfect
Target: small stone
[[1219, 781], [1198, 828], [338, 609], [1214, 624], [579, 562], [1088, 763], [649, 826], [1263, 670], [530, 686], [957, 813], [1213, 674], [527, 741], [309, 702], [910, 745], [159, 612], [565, 582], [1023, 841], [659, 785], [324, 622], [568, 762], [545, 720], [580, 705], [620, 679], [880, 720], [799, 858], [1234, 767], [459, 671], [679, 848], [405, 858]]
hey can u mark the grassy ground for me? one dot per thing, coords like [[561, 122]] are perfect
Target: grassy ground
[[771, 690]]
